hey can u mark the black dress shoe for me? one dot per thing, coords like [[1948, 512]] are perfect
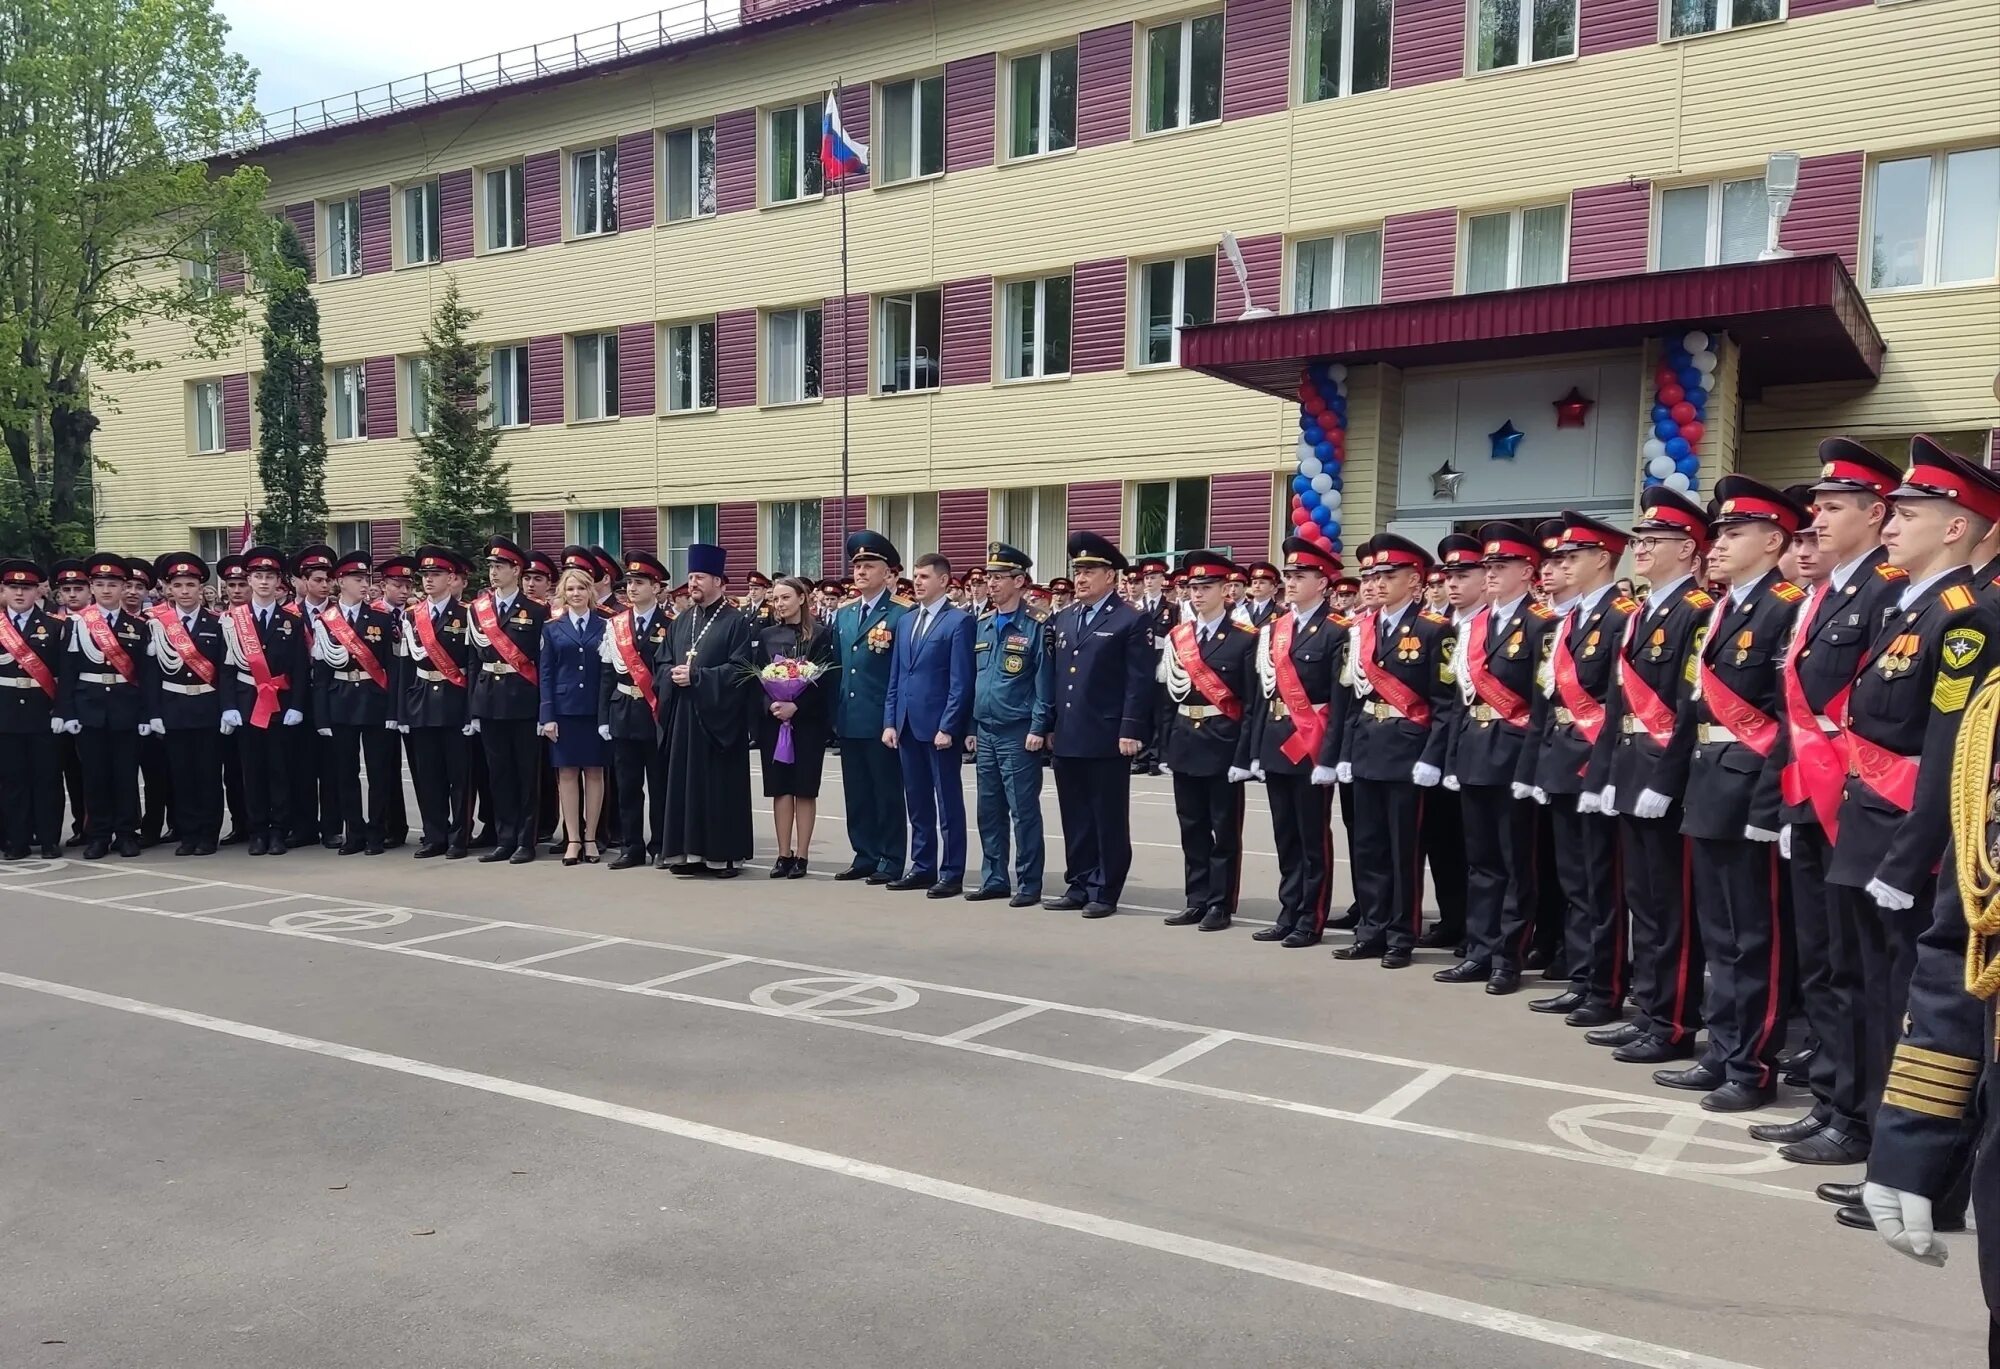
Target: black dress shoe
[[236, 837], [523, 855], [186, 848], [484, 840], [1591, 1015], [781, 868], [1439, 938], [1829, 1146], [1397, 958], [1737, 1096], [1504, 982], [259, 844], [427, 851], [457, 853], [630, 859], [21, 854], [916, 879], [1652, 1050], [1555, 971], [1301, 939], [1064, 903], [1465, 972], [75, 839], [395, 843], [1538, 959], [853, 872], [945, 888], [1784, 1133], [331, 843], [1569, 1000], [128, 846], [1346, 922], [798, 868], [878, 879], [1840, 1195], [1698, 1077], [350, 848], [374, 848], [52, 853], [204, 848], [1024, 900], [97, 848], [987, 893], [498, 853], [1217, 920], [1624, 1034], [277, 846], [1186, 917], [1856, 1216], [1094, 909], [1360, 951], [1269, 934]]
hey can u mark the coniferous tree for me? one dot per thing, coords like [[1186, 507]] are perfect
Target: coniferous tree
[[291, 407], [459, 494]]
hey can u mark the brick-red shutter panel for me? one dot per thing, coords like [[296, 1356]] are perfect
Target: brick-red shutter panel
[[305, 222], [1239, 514], [545, 379], [236, 413], [856, 112], [455, 215], [546, 531], [635, 181], [962, 528], [376, 256], [1609, 227], [847, 317], [1093, 507], [1104, 86], [968, 331], [1256, 56], [385, 538], [833, 537], [736, 161], [1426, 42], [736, 358], [1826, 212], [1608, 25], [379, 374], [968, 113], [639, 529], [636, 370], [1097, 316], [1418, 252], [1799, 9], [236, 542], [736, 533], [541, 191]]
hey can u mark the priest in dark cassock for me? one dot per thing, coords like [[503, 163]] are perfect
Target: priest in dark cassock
[[707, 697]]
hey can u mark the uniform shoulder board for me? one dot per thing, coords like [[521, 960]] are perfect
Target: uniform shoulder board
[[1625, 604], [1788, 592], [1437, 618], [986, 613], [849, 602], [291, 606], [1889, 572], [1341, 620], [904, 600], [1699, 598], [1957, 599], [1541, 610], [1040, 615], [1242, 626]]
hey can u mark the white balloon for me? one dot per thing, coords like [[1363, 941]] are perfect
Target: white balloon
[[1707, 381], [1322, 482], [1309, 466], [1660, 467], [1676, 481], [1696, 342], [1341, 389], [1336, 372], [1304, 453], [1654, 447], [1331, 499], [1706, 362]]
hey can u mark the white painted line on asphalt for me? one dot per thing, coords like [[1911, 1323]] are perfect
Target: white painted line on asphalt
[[722, 964], [562, 951], [1460, 1311], [253, 903], [74, 879], [118, 900], [415, 940], [1393, 1105], [991, 1024], [1173, 1060]]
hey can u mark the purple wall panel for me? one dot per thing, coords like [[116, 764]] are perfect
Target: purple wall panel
[[305, 222], [1256, 56], [1093, 507], [236, 413], [1608, 25], [736, 533], [375, 250], [228, 273], [455, 215], [1264, 263], [1426, 42], [1609, 228], [541, 190], [1104, 86], [545, 379], [736, 358], [1097, 323], [635, 180], [968, 331], [968, 113], [1826, 212], [736, 161], [546, 531], [962, 528], [1418, 252], [846, 319], [1239, 514], [636, 371], [639, 529], [832, 544], [856, 113], [1799, 9], [385, 538], [379, 377]]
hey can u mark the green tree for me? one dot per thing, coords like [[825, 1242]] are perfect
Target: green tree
[[291, 407], [459, 494], [109, 113]]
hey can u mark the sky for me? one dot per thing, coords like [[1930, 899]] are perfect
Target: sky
[[305, 53]]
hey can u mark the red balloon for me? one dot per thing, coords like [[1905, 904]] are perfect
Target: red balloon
[[1300, 518], [1683, 412], [1691, 433], [1672, 393], [1316, 407]]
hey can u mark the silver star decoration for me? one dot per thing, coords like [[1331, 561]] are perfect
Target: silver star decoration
[[1445, 481]]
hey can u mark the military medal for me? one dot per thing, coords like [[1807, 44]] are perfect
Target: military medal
[[1743, 639]]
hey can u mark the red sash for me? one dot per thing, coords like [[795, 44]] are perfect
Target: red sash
[[107, 643], [1646, 704], [496, 636], [15, 645], [1892, 776], [1308, 718], [177, 637], [1587, 712], [427, 633], [1384, 682], [1817, 768], [1743, 720], [335, 622], [1188, 652], [252, 647], [1512, 708], [635, 660]]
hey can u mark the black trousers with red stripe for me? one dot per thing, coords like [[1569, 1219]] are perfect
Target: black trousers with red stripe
[[1388, 863], [1667, 962], [1596, 947], [1499, 876], [1736, 897], [1210, 810], [1302, 826]]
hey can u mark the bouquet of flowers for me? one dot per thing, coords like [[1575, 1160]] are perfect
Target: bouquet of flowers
[[784, 680]]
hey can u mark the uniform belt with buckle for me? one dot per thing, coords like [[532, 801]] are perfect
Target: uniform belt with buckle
[[433, 676], [1280, 710], [630, 691], [1713, 734], [1826, 724], [497, 668], [1564, 717], [191, 690], [17, 682], [1200, 711], [1381, 711], [350, 676], [101, 679], [1632, 724], [1486, 713]]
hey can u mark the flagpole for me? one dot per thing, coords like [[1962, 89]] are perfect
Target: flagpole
[[846, 381]]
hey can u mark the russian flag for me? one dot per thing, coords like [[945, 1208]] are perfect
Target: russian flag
[[838, 153]]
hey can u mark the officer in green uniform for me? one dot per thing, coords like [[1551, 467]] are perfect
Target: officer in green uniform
[[871, 776], [1013, 711]]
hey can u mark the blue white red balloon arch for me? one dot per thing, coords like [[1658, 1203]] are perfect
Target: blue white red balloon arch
[[1322, 454], [1682, 384]]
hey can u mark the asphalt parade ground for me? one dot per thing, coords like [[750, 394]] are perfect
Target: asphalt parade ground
[[324, 1112]]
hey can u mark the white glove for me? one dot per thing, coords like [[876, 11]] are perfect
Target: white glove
[[293, 717], [471, 729], [390, 723], [1759, 834], [1607, 800], [1895, 900], [159, 728], [1426, 776], [1257, 770], [1651, 805], [1590, 801], [145, 729], [56, 726], [231, 718], [72, 726], [604, 731], [1238, 775], [1521, 791], [1904, 1221], [1325, 775], [1541, 796], [1785, 841], [403, 728], [1342, 773], [324, 731], [1451, 783]]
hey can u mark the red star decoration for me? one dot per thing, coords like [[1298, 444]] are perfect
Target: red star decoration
[[1573, 410]]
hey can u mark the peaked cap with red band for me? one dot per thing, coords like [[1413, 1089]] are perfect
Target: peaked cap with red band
[[353, 563], [1739, 499], [263, 558], [1936, 473], [1581, 532], [1459, 551], [1847, 466], [504, 549], [1508, 542], [1667, 510], [1392, 551], [1303, 553], [175, 563]]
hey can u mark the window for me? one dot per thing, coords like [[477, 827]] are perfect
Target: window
[[1036, 319], [686, 525], [594, 365], [417, 395], [1686, 17], [507, 387], [912, 140], [346, 537], [1173, 294], [420, 223], [210, 544], [1342, 271], [1709, 225], [1184, 73], [908, 520], [1935, 220], [506, 208], [1041, 109], [1518, 247], [1346, 47], [1170, 516], [793, 153], [206, 398], [691, 173], [596, 528], [201, 264], [791, 355], [792, 537], [593, 191], [910, 346], [349, 395], [1036, 521], [343, 237], [691, 366], [1514, 33]]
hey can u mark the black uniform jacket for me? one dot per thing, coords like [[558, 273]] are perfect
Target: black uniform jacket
[[1726, 792], [498, 690], [27, 708], [1211, 744], [287, 653], [343, 693], [1562, 762], [1659, 653], [1104, 679], [176, 695], [619, 706], [1319, 646], [1486, 749], [1379, 742], [429, 699], [82, 694]]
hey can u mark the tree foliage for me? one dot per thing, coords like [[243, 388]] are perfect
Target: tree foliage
[[109, 112], [291, 407], [458, 494]]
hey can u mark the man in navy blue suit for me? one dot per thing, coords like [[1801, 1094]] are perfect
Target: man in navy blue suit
[[925, 717]]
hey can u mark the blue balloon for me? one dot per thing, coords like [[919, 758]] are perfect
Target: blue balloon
[[1324, 451], [1651, 481], [1309, 497], [1662, 414], [1334, 471], [1687, 465], [1323, 515], [1336, 541], [1314, 435], [1300, 484], [1678, 356], [1305, 420], [1690, 379], [1333, 531], [1677, 448], [1667, 430], [1319, 373]]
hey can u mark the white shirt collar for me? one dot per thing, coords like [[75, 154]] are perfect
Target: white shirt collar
[[1502, 612], [1389, 618], [1665, 594], [1916, 589], [1844, 572], [1589, 602]]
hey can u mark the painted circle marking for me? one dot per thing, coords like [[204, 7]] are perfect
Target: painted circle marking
[[834, 996], [37, 866], [340, 919], [1656, 1139]]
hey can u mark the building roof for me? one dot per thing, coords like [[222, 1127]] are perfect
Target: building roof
[[1796, 319]]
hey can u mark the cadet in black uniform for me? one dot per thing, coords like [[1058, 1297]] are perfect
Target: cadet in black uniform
[[264, 670], [100, 696], [72, 586], [315, 806], [1393, 748], [627, 708], [1499, 652], [1208, 667], [156, 776], [31, 654], [234, 583], [506, 630], [184, 703], [1461, 579], [1161, 613], [435, 713], [355, 704]]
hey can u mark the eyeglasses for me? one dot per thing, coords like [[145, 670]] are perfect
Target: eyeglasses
[[1650, 543]]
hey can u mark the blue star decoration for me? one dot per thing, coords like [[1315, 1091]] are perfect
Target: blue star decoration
[[1506, 440]]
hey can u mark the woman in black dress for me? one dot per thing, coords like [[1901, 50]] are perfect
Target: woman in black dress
[[795, 634]]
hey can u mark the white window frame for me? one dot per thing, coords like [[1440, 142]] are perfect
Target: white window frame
[[347, 402], [1343, 238], [1045, 123], [879, 153], [1524, 40], [513, 182], [1938, 188], [416, 387], [513, 357], [210, 544], [885, 355], [1140, 311], [353, 534], [596, 528], [602, 162], [206, 401], [1514, 236], [1725, 20], [1173, 485], [1346, 83], [793, 560], [422, 212], [999, 519], [701, 353], [1184, 97], [902, 519], [1009, 354], [348, 212], [604, 401], [203, 272], [799, 377], [1711, 249], [700, 147], [808, 143], [705, 521]]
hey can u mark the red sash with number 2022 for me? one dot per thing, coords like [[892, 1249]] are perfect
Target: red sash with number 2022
[[335, 622], [1308, 718], [183, 645], [510, 651], [252, 648], [1382, 680], [107, 643], [1188, 652]]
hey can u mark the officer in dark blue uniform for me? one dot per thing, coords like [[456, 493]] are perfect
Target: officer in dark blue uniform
[[1013, 711], [1104, 689], [871, 775]]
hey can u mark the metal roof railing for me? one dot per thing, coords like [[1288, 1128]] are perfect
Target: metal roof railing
[[576, 52]]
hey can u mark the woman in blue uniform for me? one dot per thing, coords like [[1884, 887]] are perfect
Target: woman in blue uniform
[[570, 665]]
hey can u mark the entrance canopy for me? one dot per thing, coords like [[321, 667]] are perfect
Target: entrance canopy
[[1794, 320]]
